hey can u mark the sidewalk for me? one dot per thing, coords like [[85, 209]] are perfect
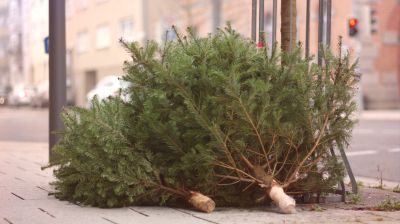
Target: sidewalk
[[24, 200]]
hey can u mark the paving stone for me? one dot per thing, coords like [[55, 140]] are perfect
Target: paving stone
[[24, 199]]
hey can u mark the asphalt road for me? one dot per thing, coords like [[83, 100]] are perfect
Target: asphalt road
[[374, 150], [24, 124]]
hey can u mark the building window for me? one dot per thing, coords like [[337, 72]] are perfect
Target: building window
[[391, 37], [2, 48], [82, 5], [82, 44], [103, 37], [127, 30], [2, 20], [69, 8]]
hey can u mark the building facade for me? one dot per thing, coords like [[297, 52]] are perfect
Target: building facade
[[14, 52], [379, 52], [4, 71], [93, 32], [35, 28], [11, 43], [95, 26]]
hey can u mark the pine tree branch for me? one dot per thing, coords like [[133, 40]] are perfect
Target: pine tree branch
[[95, 119], [221, 164], [255, 130], [257, 153], [248, 163], [235, 178], [286, 157], [206, 122], [274, 136], [283, 164], [181, 193], [228, 184], [248, 186], [292, 177]]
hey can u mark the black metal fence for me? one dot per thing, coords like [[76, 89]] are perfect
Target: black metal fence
[[324, 23]]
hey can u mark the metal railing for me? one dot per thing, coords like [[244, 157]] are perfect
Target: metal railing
[[324, 28]]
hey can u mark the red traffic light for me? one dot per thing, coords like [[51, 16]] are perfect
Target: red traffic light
[[353, 22], [353, 27]]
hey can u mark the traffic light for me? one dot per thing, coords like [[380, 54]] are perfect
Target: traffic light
[[353, 27]]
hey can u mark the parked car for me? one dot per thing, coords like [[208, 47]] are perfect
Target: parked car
[[41, 96], [21, 95], [108, 86], [4, 91]]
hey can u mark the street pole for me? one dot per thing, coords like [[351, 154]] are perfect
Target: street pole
[[253, 20], [321, 28], [328, 22], [261, 22], [57, 68], [145, 18], [291, 25], [274, 21], [216, 14], [308, 29]]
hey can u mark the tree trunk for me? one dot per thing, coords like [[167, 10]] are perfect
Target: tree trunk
[[285, 203], [288, 29], [201, 202], [275, 191], [197, 199]]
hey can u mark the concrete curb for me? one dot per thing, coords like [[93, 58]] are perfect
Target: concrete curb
[[371, 182], [379, 115]]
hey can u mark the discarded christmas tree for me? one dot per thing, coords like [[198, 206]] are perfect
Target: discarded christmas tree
[[218, 116], [101, 165], [265, 123]]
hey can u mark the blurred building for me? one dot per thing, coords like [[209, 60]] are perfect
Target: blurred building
[[14, 52], [4, 73], [93, 32], [379, 51], [23, 26], [10, 42], [35, 27], [377, 43], [204, 16], [94, 28]]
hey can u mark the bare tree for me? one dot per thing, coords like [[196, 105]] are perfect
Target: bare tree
[[288, 25]]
